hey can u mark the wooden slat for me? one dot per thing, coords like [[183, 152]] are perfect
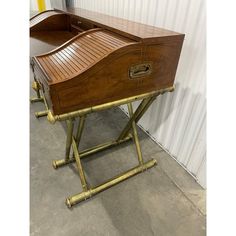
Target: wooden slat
[[62, 59], [89, 50], [73, 65], [66, 61], [79, 53], [108, 41], [101, 44], [57, 59], [88, 44], [60, 68], [79, 50], [76, 57], [51, 73]]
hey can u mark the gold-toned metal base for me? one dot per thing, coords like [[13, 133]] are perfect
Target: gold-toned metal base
[[70, 201], [72, 142]]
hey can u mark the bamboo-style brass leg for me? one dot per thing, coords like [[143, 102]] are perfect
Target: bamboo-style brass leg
[[136, 116], [70, 201], [67, 160], [123, 137], [79, 166], [135, 136], [149, 103], [70, 128], [87, 193], [80, 129]]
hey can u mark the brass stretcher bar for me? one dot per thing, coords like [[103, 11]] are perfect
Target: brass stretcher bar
[[72, 142]]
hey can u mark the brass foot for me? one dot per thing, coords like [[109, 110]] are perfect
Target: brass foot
[[33, 100], [59, 163], [41, 114], [68, 203], [54, 164]]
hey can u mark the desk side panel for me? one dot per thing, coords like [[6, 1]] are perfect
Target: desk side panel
[[110, 80]]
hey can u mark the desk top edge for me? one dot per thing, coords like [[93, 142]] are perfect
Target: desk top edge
[[138, 31]]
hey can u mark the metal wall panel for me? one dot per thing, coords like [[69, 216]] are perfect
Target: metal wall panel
[[177, 120]]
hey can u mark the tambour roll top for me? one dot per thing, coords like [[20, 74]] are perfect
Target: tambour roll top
[[80, 54]]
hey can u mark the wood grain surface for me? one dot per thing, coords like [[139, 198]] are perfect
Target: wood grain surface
[[96, 64], [134, 30]]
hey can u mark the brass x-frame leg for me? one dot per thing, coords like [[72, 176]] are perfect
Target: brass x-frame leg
[[73, 142]]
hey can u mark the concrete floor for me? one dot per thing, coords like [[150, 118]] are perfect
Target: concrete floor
[[164, 200]]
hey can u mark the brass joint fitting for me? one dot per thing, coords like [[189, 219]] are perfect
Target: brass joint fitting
[[51, 117]]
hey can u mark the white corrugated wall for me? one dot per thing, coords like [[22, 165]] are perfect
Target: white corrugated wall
[[177, 121]]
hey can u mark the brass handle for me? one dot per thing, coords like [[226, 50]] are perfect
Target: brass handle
[[140, 70]]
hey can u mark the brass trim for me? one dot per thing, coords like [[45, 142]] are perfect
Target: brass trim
[[53, 118]]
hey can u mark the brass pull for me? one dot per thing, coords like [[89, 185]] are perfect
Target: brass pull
[[140, 70]]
